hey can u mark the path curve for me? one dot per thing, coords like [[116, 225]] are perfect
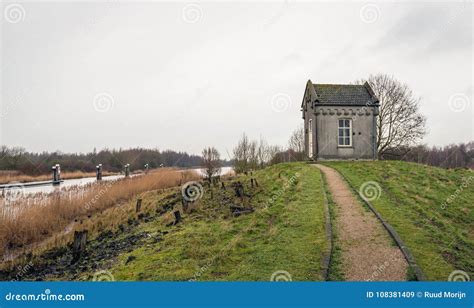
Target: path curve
[[368, 252]]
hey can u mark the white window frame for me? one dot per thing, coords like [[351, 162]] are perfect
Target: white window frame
[[344, 137]]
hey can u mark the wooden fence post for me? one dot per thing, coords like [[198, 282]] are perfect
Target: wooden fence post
[[127, 170], [99, 172], [177, 217], [139, 205], [79, 245], [55, 174]]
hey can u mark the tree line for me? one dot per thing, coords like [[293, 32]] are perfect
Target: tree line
[[14, 158], [451, 156]]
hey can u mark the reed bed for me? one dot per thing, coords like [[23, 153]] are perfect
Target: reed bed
[[16, 176], [23, 225]]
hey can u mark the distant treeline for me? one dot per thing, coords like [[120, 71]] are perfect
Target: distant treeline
[[112, 160], [450, 156]]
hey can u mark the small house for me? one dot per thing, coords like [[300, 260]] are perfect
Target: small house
[[340, 121]]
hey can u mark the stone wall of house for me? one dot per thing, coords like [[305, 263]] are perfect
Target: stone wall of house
[[326, 119], [308, 113]]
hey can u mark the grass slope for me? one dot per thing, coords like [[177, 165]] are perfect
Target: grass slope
[[430, 208], [286, 234]]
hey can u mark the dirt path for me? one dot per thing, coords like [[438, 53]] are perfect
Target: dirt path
[[368, 252]]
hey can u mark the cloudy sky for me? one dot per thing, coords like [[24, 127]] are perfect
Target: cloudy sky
[[79, 75]]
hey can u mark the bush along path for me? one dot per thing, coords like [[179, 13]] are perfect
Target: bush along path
[[367, 251]]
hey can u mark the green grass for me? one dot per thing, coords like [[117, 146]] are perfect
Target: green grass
[[415, 200], [287, 234]]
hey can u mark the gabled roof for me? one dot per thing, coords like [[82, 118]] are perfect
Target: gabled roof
[[345, 94]]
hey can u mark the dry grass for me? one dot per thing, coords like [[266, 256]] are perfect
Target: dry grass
[[22, 226], [7, 176]]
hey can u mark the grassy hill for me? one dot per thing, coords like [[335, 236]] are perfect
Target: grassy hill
[[284, 235], [284, 232], [430, 208]]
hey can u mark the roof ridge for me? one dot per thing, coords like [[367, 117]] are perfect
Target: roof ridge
[[337, 84]]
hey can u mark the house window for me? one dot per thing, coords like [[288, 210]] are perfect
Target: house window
[[345, 132]]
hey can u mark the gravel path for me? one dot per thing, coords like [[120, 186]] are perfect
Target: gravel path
[[368, 252]]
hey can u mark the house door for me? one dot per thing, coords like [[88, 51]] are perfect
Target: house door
[[310, 138]]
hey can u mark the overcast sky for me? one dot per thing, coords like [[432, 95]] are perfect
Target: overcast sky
[[182, 76]]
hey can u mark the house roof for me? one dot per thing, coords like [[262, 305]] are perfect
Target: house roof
[[345, 94]]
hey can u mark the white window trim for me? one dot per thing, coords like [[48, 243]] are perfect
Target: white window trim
[[350, 133]]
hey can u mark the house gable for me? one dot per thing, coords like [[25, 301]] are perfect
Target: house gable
[[309, 95]]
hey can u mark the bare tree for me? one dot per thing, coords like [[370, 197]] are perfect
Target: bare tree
[[211, 162], [264, 153], [296, 143], [253, 155], [241, 154], [273, 151], [400, 123]]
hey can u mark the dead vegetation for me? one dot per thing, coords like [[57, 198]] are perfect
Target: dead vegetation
[[11, 176], [22, 226], [115, 226]]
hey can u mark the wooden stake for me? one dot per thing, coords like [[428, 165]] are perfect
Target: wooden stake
[[177, 217], [79, 245], [139, 205]]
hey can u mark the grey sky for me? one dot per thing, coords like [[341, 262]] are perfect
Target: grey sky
[[80, 75]]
